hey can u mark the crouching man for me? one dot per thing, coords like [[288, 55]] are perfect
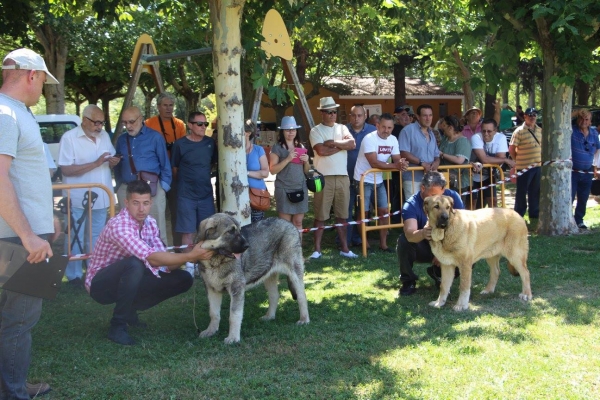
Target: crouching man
[[130, 267], [413, 243]]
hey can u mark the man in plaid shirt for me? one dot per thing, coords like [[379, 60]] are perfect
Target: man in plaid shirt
[[131, 267]]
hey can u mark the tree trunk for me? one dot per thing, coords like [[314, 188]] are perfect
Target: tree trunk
[[106, 110], [556, 215], [226, 17], [55, 55], [399, 83], [490, 98], [465, 78], [531, 100], [582, 92], [505, 96], [517, 95]]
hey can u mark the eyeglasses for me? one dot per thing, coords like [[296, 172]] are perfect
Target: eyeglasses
[[96, 123], [199, 123], [131, 122], [531, 115], [585, 143], [329, 112], [487, 131]]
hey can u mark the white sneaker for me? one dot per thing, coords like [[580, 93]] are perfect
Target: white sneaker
[[190, 268], [349, 254], [315, 255]]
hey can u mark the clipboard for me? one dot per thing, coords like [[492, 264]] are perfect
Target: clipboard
[[18, 275]]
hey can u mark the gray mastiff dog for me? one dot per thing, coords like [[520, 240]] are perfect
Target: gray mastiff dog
[[245, 257]]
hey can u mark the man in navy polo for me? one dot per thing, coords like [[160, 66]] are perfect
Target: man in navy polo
[[413, 243]]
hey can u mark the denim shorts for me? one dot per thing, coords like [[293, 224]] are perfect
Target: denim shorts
[[191, 212], [382, 200]]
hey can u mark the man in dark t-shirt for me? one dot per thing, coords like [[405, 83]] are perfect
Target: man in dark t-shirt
[[192, 159], [413, 243]]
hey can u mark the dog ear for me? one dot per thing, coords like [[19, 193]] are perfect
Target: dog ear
[[426, 204], [203, 229], [451, 201]]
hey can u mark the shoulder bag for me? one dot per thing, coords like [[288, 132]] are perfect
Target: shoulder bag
[[150, 177], [260, 199]]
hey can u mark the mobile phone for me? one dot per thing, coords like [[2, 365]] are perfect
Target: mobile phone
[[299, 151]]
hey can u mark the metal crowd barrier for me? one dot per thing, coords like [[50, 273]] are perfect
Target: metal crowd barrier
[[494, 170], [69, 233]]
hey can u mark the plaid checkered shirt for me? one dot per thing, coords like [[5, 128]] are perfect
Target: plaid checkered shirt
[[121, 238]]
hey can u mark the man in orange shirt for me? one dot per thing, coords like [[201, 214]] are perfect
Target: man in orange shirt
[[172, 129]]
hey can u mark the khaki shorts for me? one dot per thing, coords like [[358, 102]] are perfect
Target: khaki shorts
[[336, 192]]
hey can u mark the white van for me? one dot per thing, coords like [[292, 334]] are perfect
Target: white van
[[52, 127]]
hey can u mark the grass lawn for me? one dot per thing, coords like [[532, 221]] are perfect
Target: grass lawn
[[363, 342]]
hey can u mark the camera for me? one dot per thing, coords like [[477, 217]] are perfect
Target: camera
[[169, 146]]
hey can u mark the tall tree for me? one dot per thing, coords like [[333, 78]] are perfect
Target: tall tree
[[567, 33], [227, 49]]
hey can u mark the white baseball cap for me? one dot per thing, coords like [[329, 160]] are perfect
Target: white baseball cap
[[29, 60]]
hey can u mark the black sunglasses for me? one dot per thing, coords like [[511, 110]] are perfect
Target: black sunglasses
[[585, 142], [199, 123], [330, 112]]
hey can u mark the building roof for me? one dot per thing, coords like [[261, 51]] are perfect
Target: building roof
[[377, 86]]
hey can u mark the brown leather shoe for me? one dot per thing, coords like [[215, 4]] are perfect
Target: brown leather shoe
[[37, 389]]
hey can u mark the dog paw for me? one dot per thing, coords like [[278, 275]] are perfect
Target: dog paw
[[267, 317], [485, 291], [525, 297], [303, 322], [461, 307], [437, 304], [231, 339], [207, 333]]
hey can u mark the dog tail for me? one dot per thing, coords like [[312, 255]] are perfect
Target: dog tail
[[512, 270]]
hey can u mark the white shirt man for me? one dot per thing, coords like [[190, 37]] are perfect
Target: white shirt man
[[330, 142], [86, 155], [375, 151], [489, 147]]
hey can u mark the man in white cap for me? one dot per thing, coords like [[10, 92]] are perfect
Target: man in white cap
[[26, 214], [330, 142]]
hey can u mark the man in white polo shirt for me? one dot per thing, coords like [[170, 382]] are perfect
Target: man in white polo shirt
[[330, 142], [375, 150], [86, 155]]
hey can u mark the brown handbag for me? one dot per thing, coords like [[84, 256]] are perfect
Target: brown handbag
[[260, 199], [151, 178]]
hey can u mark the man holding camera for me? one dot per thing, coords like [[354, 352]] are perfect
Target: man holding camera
[[171, 128]]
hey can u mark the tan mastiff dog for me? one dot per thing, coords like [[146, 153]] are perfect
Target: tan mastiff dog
[[460, 237]]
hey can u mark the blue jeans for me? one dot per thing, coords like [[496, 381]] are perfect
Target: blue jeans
[[581, 185], [74, 268], [528, 191], [133, 287], [19, 314]]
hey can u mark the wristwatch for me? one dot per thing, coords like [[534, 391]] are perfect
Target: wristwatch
[[420, 163]]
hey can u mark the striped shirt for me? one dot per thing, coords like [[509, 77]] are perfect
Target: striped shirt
[[122, 238], [529, 150]]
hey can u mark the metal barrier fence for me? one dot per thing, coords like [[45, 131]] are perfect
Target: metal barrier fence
[[464, 185], [70, 229]]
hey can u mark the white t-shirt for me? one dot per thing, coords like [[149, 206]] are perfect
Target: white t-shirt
[[373, 143], [335, 164], [497, 145], [76, 149], [20, 139]]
